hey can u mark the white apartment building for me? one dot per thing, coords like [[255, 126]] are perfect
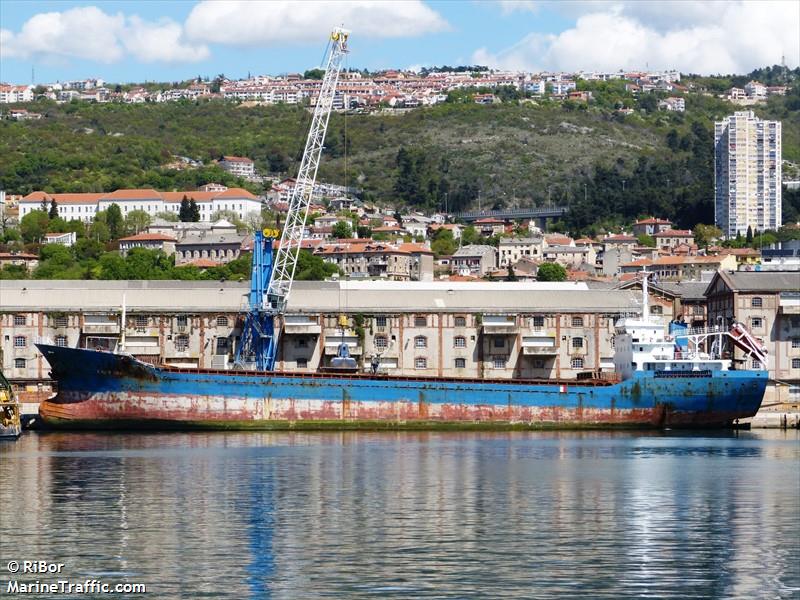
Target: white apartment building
[[238, 165], [747, 173], [10, 94], [510, 250], [84, 207]]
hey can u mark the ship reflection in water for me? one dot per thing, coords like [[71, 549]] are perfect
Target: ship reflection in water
[[519, 515]]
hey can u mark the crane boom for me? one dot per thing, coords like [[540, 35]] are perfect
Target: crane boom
[[280, 283], [271, 280]]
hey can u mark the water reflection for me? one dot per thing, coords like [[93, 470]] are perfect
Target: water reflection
[[255, 515]]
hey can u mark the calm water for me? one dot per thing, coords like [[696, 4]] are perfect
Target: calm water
[[432, 515]]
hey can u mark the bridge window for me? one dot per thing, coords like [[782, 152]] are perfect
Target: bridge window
[[461, 363], [756, 302], [577, 363]]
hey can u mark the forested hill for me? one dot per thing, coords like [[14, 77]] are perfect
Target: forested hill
[[609, 167]]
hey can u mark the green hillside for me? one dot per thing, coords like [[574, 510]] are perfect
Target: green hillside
[[608, 167]]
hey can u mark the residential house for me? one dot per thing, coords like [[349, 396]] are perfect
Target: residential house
[[570, 257], [490, 226], [511, 250], [19, 259], [768, 304], [474, 259], [669, 239], [150, 241], [240, 166], [65, 239], [651, 226], [681, 267], [220, 248], [365, 258]]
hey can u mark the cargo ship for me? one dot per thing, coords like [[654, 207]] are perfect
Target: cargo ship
[[659, 380]]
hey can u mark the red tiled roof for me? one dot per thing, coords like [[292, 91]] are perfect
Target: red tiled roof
[[652, 221], [148, 237], [243, 159], [202, 263], [675, 233]]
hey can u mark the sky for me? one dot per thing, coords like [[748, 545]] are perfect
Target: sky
[[121, 41]]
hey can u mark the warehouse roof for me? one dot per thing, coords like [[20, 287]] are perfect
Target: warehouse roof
[[313, 297]]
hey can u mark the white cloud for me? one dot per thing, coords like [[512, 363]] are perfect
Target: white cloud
[[729, 37], [255, 23], [89, 33]]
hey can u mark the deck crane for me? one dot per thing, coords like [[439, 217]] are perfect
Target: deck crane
[[271, 280]]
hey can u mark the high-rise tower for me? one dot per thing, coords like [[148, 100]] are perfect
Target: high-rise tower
[[747, 173]]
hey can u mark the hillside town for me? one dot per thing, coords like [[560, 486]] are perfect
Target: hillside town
[[391, 89]]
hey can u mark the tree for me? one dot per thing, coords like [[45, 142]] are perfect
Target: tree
[[443, 243], [749, 236], [194, 211], [33, 226], [53, 213], [312, 268], [511, 276], [705, 234], [363, 231], [136, 221], [185, 212], [470, 235], [551, 272], [342, 230], [314, 74], [167, 216], [646, 240], [114, 221]]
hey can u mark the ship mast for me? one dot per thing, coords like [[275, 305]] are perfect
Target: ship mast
[[271, 280]]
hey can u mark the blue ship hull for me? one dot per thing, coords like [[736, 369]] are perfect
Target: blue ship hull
[[100, 389]]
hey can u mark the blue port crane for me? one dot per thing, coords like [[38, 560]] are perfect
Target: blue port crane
[[271, 279]]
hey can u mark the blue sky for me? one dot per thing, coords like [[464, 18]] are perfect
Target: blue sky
[[154, 40]]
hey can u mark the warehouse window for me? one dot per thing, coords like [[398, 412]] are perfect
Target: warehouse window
[[61, 321], [796, 363], [20, 341], [19, 363], [499, 362], [380, 321], [755, 364], [141, 321], [420, 321], [461, 363], [302, 342], [222, 345], [577, 342], [182, 343], [577, 363], [460, 341], [499, 342], [420, 342], [302, 363], [756, 322], [222, 321], [656, 309], [61, 341], [538, 322], [20, 320], [420, 363], [795, 342], [756, 302], [461, 321], [538, 363], [577, 321], [183, 321], [381, 343]]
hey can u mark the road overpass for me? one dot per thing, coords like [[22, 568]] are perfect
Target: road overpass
[[513, 214]]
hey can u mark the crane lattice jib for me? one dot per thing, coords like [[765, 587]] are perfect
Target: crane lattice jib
[[280, 283]]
